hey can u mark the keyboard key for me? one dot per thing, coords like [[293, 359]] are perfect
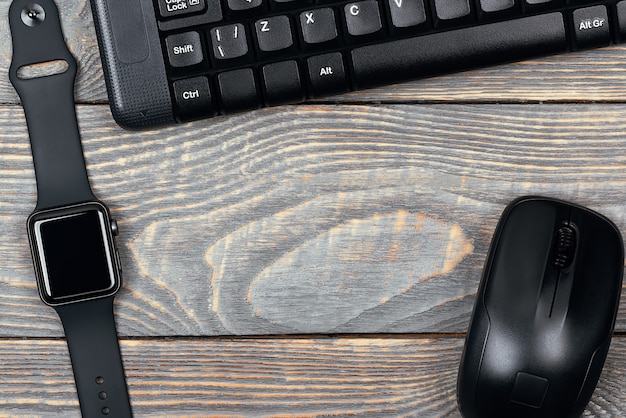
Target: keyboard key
[[490, 6], [239, 5], [407, 13], [229, 41], [184, 49], [289, 4], [171, 8], [458, 49], [318, 26], [273, 33], [591, 27], [362, 17], [327, 74], [452, 9], [212, 13], [193, 99], [282, 83], [621, 19], [238, 90]]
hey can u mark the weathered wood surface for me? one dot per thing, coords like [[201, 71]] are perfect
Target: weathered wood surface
[[368, 213], [365, 377], [289, 221], [224, 230]]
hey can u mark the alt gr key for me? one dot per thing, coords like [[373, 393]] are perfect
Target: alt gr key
[[591, 27]]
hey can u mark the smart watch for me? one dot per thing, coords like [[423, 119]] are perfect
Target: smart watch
[[71, 233]]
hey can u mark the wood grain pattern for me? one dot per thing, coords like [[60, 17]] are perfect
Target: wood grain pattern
[[288, 221], [365, 377], [366, 213]]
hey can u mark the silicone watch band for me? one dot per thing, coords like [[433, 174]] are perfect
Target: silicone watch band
[[49, 105], [96, 359], [62, 180]]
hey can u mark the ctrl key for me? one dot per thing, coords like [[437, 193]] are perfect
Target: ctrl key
[[193, 99]]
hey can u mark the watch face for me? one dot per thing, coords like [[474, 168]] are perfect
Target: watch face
[[73, 252]]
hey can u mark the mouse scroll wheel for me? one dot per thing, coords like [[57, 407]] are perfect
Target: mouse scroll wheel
[[565, 247]]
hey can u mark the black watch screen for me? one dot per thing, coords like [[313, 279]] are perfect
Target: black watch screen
[[73, 252]]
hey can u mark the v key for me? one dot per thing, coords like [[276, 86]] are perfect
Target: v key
[[406, 13]]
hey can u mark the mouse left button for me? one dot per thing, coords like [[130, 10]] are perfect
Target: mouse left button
[[516, 274]]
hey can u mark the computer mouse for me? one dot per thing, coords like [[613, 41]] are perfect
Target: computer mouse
[[544, 313]]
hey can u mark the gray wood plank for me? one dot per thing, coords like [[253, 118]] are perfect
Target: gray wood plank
[[292, 221], [289, 220], [583, 76], [367, 377]]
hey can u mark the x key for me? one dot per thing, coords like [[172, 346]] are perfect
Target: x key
[[318, 25]]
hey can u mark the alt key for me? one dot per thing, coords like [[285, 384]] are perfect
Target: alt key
[[193, 99], [327, 74]]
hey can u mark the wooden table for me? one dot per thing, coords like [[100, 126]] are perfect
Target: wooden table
[[309, 260]]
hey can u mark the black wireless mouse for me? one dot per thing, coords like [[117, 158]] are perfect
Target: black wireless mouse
[[544, 314]]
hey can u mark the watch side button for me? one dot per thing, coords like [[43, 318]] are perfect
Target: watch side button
[[114, 229]]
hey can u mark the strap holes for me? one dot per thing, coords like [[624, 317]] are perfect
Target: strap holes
[[100, 380], [102, 395], [33, 15], [42, 69], [106, 410]]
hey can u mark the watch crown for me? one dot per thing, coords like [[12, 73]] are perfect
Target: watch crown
[[114, 228]]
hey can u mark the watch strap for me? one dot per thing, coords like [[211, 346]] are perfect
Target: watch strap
[[96, 358], [62, 180], [48, 103]]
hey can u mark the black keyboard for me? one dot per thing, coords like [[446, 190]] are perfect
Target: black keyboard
[[169, 61]]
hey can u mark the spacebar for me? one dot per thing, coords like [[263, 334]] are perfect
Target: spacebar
[[458, 49]]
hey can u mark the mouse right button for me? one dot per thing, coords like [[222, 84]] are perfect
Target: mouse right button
[[597, 270]]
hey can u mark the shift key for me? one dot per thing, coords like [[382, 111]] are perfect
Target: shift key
[[459, 49]]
